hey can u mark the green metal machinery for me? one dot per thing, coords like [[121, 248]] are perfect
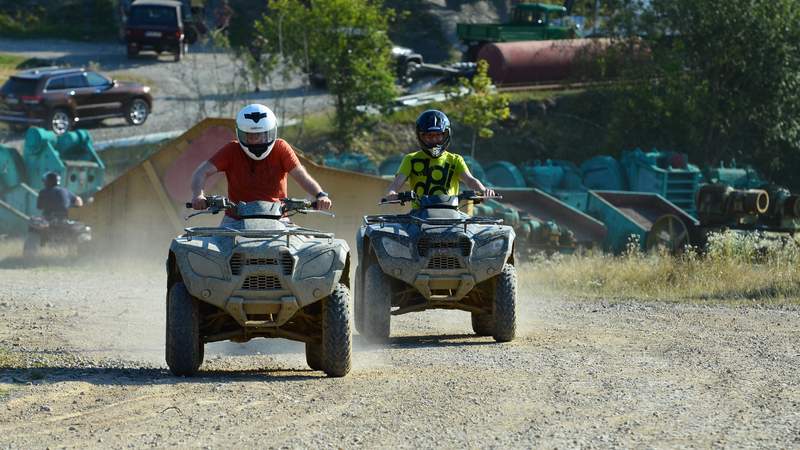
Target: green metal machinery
[[529, 22], [738, 198], [71, 155]]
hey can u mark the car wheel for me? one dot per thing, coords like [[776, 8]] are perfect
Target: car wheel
[[377, 303], [337, 337], [60, 121], [138, 110], [505, 305], [184, 348]]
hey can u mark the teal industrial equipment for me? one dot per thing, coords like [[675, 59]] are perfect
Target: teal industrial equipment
[[603, 173], [667, 174], [354, 162], [735, 177], [651, 218], [17, 199], [504, 174], [729, 201], [561, 179], [549, 224], [71, 155]]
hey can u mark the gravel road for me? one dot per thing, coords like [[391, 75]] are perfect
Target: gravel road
[[207, 83], [81, 365]]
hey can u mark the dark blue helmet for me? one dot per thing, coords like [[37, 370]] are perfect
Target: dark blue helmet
[[51, 179], [430, 121]]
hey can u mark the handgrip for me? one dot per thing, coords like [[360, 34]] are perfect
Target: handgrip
[[188, 205]]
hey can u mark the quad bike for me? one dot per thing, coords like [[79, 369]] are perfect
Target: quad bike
[[260, 277], [436, 257], [56, 232]]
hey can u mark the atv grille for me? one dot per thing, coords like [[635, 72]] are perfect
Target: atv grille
[[287, 263], [262, 262], [465, 245], [236, 264], [238, 260], [424, 245], [442, 262], [261, 283]]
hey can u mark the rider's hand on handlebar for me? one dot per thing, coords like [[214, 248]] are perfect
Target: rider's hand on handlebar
[[199, 202], [324, 203], [390, 196], [489, 192]]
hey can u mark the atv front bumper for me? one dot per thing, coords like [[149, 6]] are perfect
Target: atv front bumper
[[438, 287]]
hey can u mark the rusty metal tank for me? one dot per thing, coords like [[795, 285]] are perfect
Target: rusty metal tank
[[526, 62]]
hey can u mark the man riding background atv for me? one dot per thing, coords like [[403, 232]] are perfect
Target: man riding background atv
[[256, 164], [54, 200], [53, 226]]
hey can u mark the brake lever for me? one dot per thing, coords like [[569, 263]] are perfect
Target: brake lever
[[197, 214], [391, 202], [317, 211]]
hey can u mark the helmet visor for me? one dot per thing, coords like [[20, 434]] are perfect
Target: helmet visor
[[259, 138], [432, 138]]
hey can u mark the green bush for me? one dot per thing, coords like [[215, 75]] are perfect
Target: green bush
[[67, 19]]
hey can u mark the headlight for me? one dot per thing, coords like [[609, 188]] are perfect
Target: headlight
[[318, 266], [396, 249], [491, 249]]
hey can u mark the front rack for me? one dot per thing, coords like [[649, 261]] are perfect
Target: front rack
[[227, 231], [406, 218]]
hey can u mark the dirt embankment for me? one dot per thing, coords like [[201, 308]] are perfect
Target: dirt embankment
[[81, 365]]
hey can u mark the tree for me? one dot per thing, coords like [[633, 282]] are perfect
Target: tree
[[722, 80], [345, 42], [481, 106]]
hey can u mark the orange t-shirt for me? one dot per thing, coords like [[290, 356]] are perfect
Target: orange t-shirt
[[250, 180]]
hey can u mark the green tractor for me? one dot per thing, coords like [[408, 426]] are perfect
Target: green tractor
[[529, 22]]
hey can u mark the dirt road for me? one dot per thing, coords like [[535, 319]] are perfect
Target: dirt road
[[81, 366]]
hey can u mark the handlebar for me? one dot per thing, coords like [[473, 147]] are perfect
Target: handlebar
[[407, 196], [218, 203], [402, 198]]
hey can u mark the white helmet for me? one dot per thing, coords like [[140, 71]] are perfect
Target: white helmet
[[256, 130]]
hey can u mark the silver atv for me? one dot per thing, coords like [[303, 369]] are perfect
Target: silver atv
[[436, 257], [260, 277]]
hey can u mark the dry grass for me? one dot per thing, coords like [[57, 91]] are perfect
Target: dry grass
[[735, 267]]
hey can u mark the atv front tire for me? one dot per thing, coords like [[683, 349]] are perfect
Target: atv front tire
[[31, 247], [336, 333], [482, 324], [358, 302], [184, 349], [505, 305], [314, 356], [377, 302]]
